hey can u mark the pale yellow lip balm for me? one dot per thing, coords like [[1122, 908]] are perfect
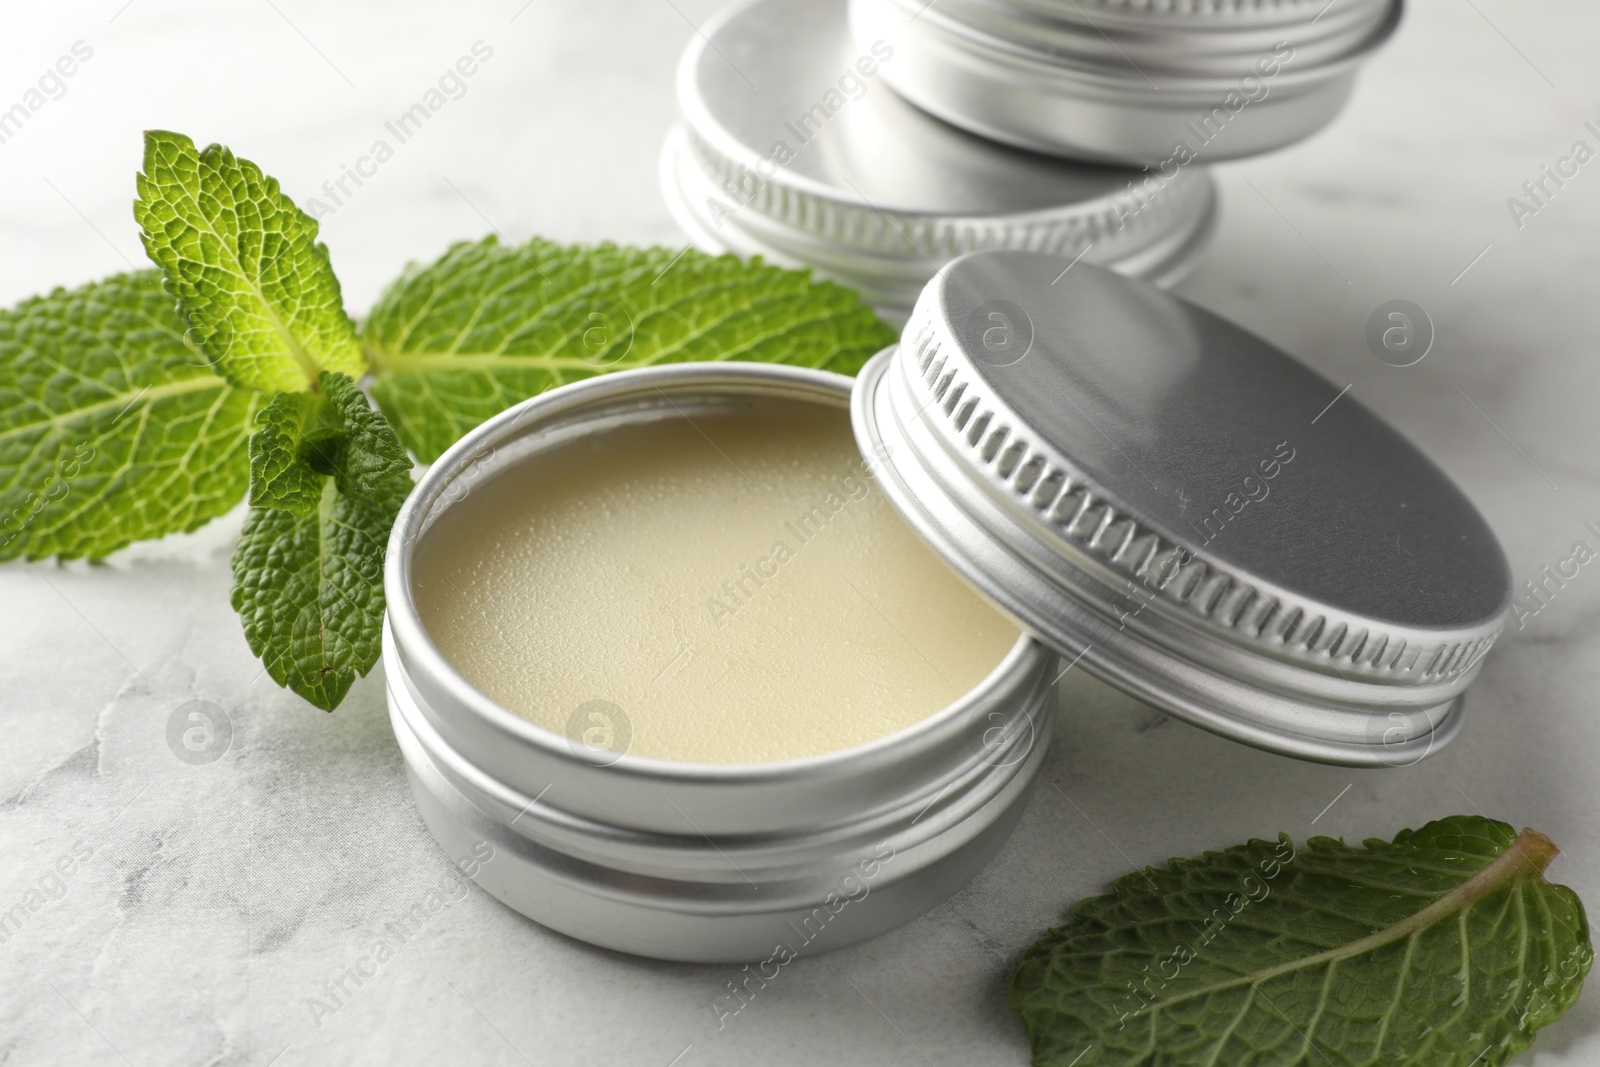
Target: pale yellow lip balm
[[733, 581]]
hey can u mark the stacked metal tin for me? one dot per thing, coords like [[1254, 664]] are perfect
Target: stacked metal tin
[[876, 140], [1130, 81]]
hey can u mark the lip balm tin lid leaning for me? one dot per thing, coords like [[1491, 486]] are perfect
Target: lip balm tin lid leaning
[[1129, 81], [1183, 510], [790, 148]]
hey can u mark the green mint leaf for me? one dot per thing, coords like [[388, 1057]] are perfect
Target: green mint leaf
[[305, 437], [112, 427], [294, 427], [309, 588], [243, 261], [1444, 948], [487, 325], [370, 456]]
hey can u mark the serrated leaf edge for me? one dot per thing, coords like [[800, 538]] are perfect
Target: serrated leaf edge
[[307, 363]]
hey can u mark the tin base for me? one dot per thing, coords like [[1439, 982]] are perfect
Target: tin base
[[646, 914]]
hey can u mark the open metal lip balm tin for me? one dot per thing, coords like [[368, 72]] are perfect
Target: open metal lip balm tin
[[686, 861], [791, 149], [1129, 81]]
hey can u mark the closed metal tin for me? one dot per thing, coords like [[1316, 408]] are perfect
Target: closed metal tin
[[691, 861], [1184, 510], [1136, 82], [792, 150]]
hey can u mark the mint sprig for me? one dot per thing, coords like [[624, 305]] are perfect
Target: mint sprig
[[327, 477], [1443, 948], [124, 417]]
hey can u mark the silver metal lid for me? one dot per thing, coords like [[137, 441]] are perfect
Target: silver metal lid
[[1166, 39], [792, 149], [1128, 81], [1184, 510]]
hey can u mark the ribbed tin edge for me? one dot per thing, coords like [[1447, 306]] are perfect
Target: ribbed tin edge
[[889, 256], [1040, 481], [1058, 554]]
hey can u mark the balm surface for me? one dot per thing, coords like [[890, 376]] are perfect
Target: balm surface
[[732, 587]]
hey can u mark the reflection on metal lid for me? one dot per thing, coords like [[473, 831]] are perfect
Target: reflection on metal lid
[[1153, 488]]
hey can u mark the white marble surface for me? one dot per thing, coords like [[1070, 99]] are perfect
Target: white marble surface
[[218, 899]]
